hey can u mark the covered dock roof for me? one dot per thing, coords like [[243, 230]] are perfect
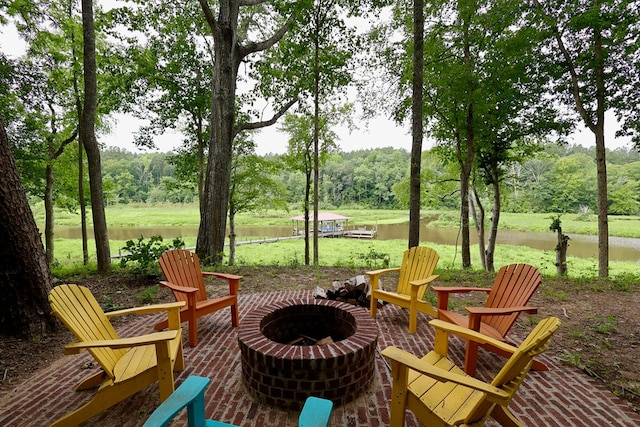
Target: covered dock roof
[[322, 216]]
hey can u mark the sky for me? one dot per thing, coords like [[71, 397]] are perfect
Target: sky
[[377, 132]]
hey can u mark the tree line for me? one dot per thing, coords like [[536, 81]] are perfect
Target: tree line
[[558, 179]]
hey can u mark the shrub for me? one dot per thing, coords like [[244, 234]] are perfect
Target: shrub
[[144, 255]]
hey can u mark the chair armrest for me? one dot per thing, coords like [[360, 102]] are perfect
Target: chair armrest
[[468, 334], [476, 313], [423, 282], [412, 362], [233, 279], [444, 291], [225, 276], [459, 289], [142, 340], [382, 271], [375, 274], [179, 289], [145, 309], [488, 311]]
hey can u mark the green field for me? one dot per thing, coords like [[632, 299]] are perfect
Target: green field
[[348, 252]]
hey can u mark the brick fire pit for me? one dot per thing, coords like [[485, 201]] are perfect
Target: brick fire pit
[[282, 365]]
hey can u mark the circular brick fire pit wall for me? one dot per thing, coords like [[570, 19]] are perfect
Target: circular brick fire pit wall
[[282, 374]]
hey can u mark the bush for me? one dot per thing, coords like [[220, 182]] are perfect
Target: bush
[[144, 255]]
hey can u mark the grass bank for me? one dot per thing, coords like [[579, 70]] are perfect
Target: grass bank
[[348, 252], [188, 215]]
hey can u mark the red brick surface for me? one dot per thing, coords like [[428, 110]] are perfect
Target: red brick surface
[[562, 396]]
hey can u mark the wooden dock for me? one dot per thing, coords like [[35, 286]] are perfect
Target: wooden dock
[[361, 233]]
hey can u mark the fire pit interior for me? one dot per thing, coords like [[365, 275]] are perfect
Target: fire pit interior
[[294, 349]]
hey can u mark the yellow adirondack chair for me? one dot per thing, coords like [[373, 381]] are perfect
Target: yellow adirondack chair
[[128, 364], [512, 289], [441, 394], [416, 272], [185, 279]]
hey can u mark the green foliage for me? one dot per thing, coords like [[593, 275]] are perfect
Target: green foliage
[[373, 258], [144, 255], [605, 325], [148, 295]]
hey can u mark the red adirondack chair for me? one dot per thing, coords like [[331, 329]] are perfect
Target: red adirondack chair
[[512, 289], [185, 279]]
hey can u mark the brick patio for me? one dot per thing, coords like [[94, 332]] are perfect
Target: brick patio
[[563, 396]]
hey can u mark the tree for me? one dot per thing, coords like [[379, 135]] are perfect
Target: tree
[[332, 46], [88, 138], [253, 186], [300, 157], [46, 90], [231, 47], [168, 73], [25, 279], [485, 101], [416, 122], [597, 42]]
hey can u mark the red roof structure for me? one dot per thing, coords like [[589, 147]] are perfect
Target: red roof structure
[[322, 216]]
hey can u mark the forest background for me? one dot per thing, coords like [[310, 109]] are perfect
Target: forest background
[[559, 179]]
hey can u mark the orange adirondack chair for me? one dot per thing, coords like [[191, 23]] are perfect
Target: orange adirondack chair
[[185, 279], [512, 289], [441, 394], [128, 364], [416, 273]]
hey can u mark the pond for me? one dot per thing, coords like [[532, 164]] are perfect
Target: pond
[[583, 246]]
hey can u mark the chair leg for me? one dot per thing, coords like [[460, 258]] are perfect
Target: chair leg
[[539, 366], [373, 307], [400, 375], [504, 417], [193, 330], [471, 358], [235, 315], [413, 319], [92, 381], [104, 399]]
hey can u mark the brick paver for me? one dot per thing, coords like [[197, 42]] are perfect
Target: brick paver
[[562, 396]]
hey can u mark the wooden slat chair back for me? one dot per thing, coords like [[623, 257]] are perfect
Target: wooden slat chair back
[[414, 276], [509, 295], [440, 394], [514, 286], [417, 263], [82, 315], [182, 268], [185, 279], [127, 364]]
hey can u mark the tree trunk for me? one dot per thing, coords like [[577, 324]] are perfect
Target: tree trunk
[[88, 137], [416, 123], [201, 146], [601, 164], [232, 236], [316, 147], [478, 218], [495, 219], [81, 199], [83, 205], [48, 211], [466, 152], [561, 253], [25, 279], [307, 196], [215, 202]]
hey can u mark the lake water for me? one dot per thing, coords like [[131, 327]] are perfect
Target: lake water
[[583, 246]]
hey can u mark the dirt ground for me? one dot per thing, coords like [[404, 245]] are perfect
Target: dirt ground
[[600, 330]]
